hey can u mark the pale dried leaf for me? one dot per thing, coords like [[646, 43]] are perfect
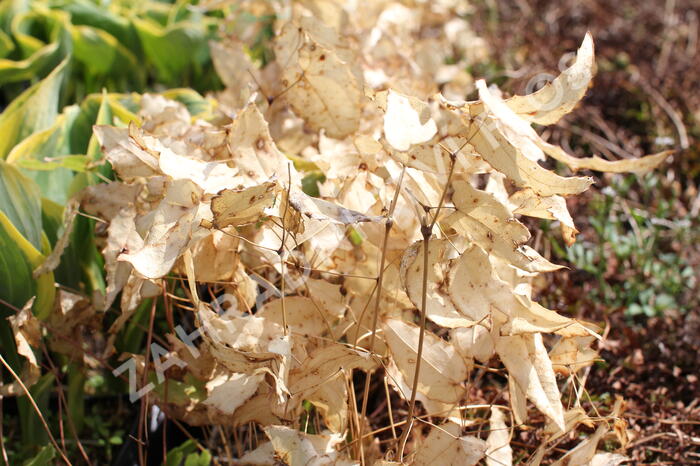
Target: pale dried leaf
[[331, 400], [106, 200], [122, 237], [240, 206], [527, 362], [476, 290], [303, 318], [326, 363], [556, 99], [70, 211], [322, 88], [264, 455], [407, 121], [439, 306], [509, 145], [298, 449], [571, 354], [27, 332], [518, 401], [572, 418], [639, 165], [583, 453], [499, 452], [318, 209], [608, 459], [473, 342], [442, 368], [210, 177], [443, 445], [526, 202], [254, 153], [486, 209], [523, 256], [227, 391], [127, 157]]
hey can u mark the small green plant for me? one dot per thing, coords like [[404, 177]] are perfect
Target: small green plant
[[635, 254]]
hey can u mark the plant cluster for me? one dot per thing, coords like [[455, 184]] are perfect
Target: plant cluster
[[332, 222], [121, 45]]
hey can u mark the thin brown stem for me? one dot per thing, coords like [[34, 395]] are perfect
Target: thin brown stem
[[426, 232], [281, 252], [380, 277], [36, 408], [144, 400]]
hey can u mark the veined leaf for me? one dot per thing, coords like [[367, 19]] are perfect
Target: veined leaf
[[34, 110]]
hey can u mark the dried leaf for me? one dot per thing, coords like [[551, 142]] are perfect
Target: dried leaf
[[27, 332], [127, 157], [439, 306], [322, 88], [331, 400], [608, 459], [70, 211], [583, 453], [499, 452], [556, 99], [639, 165], [572, 418], [303, 317], [510, 146], [299, 449], [407, 121], [473, 342], [241, 206], [527, 362], [227, 391], [526, 202], [253, 152], [442, 369], [443, 445], [174, 221], [326, 363], [571, 354]]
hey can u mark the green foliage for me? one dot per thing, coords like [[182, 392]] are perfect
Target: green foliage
[[46, 156], [120, 45], [636, 254], [43, 458], [187, 455]]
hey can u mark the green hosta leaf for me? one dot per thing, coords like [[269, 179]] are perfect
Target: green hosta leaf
[[9, 9], [87, 13], [23, 246], [33, 57], [172, 49], [20, 201], [94, 47], [45, 157], [6, 44], [101, 53], [76, 163], [196, 104], [179, 393], [34, 110], [17, 262], [15, 269]]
